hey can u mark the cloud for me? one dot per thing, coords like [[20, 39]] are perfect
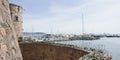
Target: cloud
[[99, 15]]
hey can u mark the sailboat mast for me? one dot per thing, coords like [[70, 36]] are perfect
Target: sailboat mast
[[32, 31], [82, 24]]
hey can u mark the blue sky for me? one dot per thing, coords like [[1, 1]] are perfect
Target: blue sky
[[64, 16]]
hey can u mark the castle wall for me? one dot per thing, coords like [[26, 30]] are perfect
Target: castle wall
[[9, 49], [16, 15], [41, 51]]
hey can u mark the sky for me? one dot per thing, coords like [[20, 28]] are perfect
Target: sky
[[65, 16]]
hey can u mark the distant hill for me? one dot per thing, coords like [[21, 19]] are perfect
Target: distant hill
[[33, 33]]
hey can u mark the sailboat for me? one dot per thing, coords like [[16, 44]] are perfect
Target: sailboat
[[86, 36]]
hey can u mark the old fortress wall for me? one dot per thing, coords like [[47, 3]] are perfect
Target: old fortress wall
[[16, 15], [56, 51], [9, 48], [44, 51]]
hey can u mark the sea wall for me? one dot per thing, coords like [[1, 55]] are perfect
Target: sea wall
[[44, 51], [9, 48]]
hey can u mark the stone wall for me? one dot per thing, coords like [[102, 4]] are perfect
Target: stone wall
[[42, 51], [9, 48], [16, 15]]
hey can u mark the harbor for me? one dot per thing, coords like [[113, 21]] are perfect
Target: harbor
[[109, 45]]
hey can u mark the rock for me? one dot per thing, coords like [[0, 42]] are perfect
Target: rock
[[4, 48], [2, 32], [107, 57]]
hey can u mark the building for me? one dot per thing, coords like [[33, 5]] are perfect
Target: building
[[16, 16]]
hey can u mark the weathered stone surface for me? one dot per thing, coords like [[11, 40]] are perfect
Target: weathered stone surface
[[2, 32], [16, 15], [9, 48], [4, 48]]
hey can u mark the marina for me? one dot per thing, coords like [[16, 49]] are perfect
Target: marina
[[109, 45]]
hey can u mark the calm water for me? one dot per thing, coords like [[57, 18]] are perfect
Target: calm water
[[110, 45]]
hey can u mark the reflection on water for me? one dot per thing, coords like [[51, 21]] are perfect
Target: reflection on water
[[110, 45]]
